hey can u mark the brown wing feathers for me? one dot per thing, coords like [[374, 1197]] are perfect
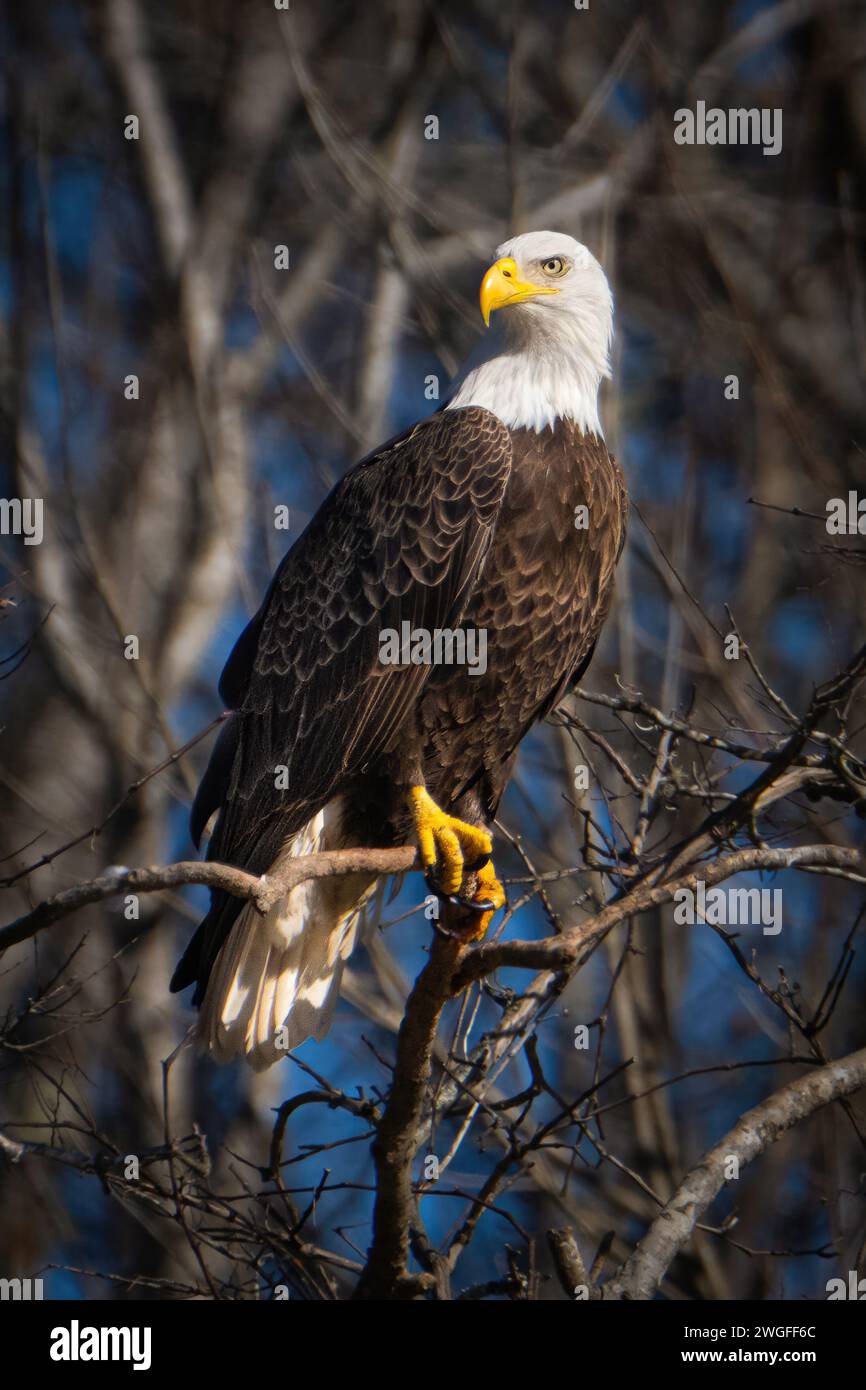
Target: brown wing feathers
[[403, 536]]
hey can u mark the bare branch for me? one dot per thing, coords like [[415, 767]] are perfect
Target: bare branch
[[264, 891], [751, 1136]]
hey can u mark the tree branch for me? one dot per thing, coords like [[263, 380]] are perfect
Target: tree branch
[[264, 891], [753, 1133], [564, 952]]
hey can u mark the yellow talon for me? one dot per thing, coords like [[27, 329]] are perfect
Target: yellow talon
[[489, 890], [444, 842]]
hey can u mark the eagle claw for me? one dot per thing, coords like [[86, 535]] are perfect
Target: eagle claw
[[473, 904], [446, 844]]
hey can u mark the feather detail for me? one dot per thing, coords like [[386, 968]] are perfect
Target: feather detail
[[276, 979]]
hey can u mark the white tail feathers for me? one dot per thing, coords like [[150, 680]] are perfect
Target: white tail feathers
[[277, 978]]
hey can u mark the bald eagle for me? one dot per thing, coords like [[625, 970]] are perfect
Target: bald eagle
[[502, 517]]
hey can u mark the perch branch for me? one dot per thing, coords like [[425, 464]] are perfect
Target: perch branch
[[264, 891]]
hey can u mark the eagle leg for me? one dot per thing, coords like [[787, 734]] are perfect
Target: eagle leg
[[476, 910], [487, 899], [445, 843]]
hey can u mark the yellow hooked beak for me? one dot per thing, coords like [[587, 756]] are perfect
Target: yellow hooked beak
[[502, 285]]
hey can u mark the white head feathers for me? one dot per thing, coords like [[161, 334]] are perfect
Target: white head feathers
[[543, 358]]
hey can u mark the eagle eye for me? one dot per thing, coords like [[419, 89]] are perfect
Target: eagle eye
[[554, 266]]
